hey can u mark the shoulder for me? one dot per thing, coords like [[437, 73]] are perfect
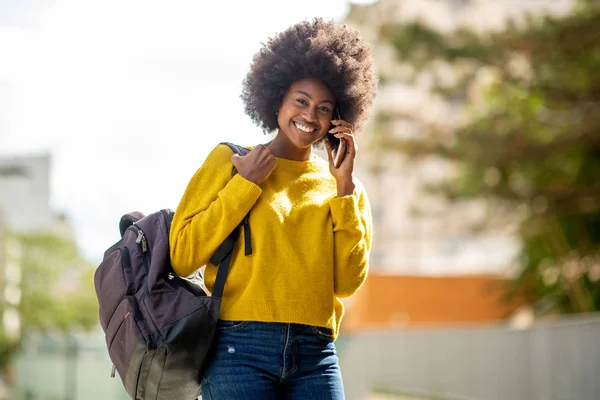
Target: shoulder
[[220, 157], [220, 154], [216, 165]]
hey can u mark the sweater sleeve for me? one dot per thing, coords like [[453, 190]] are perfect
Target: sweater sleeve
[[212, 206], [352, 230]]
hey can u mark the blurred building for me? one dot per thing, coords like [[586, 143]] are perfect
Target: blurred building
[[25, 193], [24, 208], [416, 301], [437, 241]]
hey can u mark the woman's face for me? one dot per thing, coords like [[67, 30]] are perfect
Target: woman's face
[[306, 111]]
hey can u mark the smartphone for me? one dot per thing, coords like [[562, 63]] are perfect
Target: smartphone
[[338, 146]]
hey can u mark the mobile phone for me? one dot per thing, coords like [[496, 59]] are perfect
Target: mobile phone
[[338, 146]]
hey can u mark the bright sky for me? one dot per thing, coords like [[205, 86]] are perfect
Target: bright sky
[[130, 95]]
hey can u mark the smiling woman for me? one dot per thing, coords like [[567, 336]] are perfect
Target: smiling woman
[[333, 53], [310, 218], [304, 118]]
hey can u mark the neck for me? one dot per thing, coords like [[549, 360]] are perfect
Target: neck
[[280, 147]]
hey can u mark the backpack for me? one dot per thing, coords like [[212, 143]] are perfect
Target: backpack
[[159, 327]]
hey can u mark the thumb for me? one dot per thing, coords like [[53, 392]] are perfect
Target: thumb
[[235, 160]]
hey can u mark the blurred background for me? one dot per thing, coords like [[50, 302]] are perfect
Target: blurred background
[[481, 160]]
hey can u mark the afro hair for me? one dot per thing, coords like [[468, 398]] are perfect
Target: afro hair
[[333, 53]]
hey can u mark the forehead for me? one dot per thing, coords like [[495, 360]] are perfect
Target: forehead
[[315, 88]]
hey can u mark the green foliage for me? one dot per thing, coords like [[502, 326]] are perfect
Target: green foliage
[[531, 141], [8, 347], [55, 285]]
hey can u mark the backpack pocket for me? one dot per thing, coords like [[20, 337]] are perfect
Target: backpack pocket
[[124, 338], [111, 283]]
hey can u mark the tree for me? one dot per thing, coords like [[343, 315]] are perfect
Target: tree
[[51, 288], [529, 142]]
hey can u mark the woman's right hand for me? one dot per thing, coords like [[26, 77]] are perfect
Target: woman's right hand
[[255, 166]]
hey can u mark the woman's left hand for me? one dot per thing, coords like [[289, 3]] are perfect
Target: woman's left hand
[[343, 173]]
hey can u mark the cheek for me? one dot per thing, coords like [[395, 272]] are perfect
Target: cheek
[[284, 114], [281, 117], [325, 123], [323, 133]]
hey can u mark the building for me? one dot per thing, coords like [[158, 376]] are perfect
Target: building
[[25, 193], [24, 208], [402, 302]]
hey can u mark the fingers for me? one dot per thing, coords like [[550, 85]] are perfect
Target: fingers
[[264, 156], [256, 166], [343, 130], [263, 153], [260, 153], [341, 122], [260, 148], [340, 128], [351, 147], [342, 162]]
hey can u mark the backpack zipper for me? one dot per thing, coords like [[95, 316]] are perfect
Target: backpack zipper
[[141, 238]]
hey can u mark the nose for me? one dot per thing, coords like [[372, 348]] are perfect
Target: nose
[[310, 114]]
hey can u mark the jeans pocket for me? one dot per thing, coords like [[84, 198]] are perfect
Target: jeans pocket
[[228, 326], [322, 332]]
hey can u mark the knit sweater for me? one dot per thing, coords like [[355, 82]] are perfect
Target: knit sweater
[[310, 247]]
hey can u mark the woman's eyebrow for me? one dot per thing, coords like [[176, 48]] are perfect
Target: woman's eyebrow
[[308, 95]]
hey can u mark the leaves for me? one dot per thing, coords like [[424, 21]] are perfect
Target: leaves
[[53, 288], [56, 285], [528, 139]]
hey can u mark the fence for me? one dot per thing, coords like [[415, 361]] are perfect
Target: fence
[[72, 367], [548, 361], [557, 360]]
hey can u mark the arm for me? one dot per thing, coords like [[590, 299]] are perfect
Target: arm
[[352, 233], [212, 206], [351, 216]]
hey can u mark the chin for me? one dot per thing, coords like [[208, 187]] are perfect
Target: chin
[[305, 142], [300, 141]]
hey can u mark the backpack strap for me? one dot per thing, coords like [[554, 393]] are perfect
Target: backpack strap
[[239, 150], [222, 257], [227, 251], [242, 151]]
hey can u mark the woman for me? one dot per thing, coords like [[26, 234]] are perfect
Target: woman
[[310, 220]]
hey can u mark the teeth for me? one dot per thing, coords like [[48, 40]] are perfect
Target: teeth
[[304, 128]]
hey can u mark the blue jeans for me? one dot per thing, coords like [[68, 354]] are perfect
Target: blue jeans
[[264, 360]]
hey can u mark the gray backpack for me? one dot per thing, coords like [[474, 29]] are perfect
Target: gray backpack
[[159, 327]]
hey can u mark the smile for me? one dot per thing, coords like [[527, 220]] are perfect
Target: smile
[[304, 128]]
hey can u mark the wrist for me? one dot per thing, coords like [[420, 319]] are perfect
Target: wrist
[[345, 187], [248, 177]]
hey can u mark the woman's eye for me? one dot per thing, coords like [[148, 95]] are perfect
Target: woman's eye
[[302, 101], [324, 109]]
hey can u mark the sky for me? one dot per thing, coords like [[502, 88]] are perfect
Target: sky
[[129, 96]]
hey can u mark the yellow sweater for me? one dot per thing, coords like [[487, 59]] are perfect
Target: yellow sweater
[[310, 248]]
